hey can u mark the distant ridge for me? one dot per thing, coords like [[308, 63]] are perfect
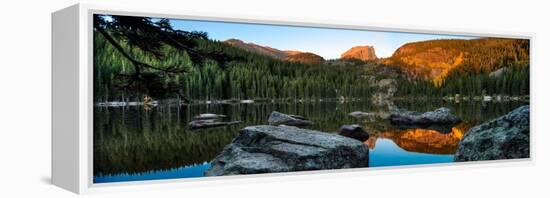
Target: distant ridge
[[251, 47], [305, 57], [286, 55]]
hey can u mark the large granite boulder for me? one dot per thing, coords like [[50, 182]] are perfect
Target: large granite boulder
[[506, 137], [269, 149], [277, 118], [441, 116], [354, 131]]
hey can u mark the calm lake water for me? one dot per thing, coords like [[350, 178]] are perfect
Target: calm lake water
[[132, 144]]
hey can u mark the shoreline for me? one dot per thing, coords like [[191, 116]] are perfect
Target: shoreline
[[494, 98]]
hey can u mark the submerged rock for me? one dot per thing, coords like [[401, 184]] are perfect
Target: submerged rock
[[210, 123], [269, 149], [277, 118], [365, 116], [440, 116], [354, 131], [506, 137]]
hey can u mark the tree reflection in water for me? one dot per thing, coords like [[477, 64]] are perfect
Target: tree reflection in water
[[130, 141]]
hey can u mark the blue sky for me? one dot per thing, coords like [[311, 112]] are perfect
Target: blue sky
[[326, 42]]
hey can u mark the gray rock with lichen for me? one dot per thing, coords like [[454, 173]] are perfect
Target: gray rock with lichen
[[506, 137], [439, 116], [269, 149]]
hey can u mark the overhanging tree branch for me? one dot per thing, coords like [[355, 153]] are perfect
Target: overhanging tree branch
[[130, 80]]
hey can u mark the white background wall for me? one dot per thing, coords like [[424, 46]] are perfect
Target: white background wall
[[25, 98]]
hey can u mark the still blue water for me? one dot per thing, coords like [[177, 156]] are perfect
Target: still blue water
[[386, 153], [133, 145], [181, 172]]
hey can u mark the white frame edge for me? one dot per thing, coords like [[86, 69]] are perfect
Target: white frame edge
[[65, 86], [72, 128]]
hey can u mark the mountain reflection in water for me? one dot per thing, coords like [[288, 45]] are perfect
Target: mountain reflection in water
[[422, 140], [132, 144]]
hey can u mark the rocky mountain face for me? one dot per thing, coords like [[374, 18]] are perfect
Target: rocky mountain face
[[363, 53], [435, 59], [287, 55], [431, 60]]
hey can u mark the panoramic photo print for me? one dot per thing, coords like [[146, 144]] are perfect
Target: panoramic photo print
[[178, 98]]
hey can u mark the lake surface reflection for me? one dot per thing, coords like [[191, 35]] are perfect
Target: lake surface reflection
[[413, 146], [132, 144]]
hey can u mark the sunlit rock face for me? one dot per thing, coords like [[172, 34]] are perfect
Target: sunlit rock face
[[433, 63], [364, 53], [436, 59], [422, 140]]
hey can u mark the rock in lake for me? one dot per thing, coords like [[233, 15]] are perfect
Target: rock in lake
[[439, 116], [277, 118], [359, 114], [211, 123], [506, 137], [354, 131], [209, 120], [270, 149], [208, 116]]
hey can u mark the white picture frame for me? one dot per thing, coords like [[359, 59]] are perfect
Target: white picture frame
[[72, 114]]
